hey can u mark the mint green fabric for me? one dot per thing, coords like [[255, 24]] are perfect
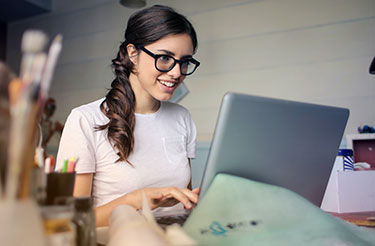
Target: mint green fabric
[[238, 211]]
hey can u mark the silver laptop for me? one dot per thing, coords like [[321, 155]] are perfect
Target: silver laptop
[[279, 142]]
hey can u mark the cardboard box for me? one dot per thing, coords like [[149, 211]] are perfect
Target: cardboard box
[[363, 146], [349, 191]]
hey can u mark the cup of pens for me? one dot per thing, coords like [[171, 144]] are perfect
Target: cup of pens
[[61, 184]]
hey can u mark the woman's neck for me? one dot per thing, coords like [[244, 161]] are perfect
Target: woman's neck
[[144, 102], [146, 106]]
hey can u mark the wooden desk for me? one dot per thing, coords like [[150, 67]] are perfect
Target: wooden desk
[[361, 218]]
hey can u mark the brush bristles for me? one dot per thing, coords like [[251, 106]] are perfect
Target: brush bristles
[[33, 41], [58, 38], [14, 89]]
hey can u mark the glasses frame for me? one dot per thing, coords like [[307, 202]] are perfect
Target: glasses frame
[[157, 56]]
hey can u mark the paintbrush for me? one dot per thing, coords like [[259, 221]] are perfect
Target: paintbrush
[[24, 111], [33, 42], [28, 98], [32, 120], [53, 54]]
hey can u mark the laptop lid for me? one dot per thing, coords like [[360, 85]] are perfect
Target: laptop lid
[[279, 142]]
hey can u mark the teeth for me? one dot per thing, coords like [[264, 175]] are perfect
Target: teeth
[[168, 84]]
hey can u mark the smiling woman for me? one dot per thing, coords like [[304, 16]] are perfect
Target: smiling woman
[[134, 141], [157, 75]]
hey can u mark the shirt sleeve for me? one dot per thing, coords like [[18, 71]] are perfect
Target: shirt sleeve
[[77, 140], [192, 137]]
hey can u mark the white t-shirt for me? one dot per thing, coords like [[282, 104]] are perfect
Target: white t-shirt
[[163, 142]]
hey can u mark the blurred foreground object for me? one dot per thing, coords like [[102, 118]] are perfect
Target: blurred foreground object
[[27, 96], [128, 227], [22, 100], [21, 224], [5, 77], [268, 215]]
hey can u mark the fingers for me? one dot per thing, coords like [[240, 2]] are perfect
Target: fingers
[[135, 198], [196, 190], [155, 195], [169, 196], [185, 196], [192, 194]]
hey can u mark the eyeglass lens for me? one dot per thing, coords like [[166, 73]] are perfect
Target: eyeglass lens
[[166, 63]]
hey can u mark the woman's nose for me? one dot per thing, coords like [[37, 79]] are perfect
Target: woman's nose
[[176, 71]]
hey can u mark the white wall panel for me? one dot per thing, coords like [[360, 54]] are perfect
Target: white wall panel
[[67, 100], [193, 7], [264, 17], [100, 45], [342, 83], [76, 5], [81, 76], [83, 21], [308, 82], [290, 48]]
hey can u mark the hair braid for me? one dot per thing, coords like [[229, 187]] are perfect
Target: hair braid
[[119, 106]]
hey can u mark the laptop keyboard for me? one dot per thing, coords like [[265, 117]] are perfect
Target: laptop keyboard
[[172, 219], [165, 218]]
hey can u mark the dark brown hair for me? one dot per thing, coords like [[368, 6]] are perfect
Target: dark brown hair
[[144, 27]]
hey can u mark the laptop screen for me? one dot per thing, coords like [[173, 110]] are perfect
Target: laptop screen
[[279, 142]]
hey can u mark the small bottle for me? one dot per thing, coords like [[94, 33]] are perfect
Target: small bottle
[[347, 159], [84, 219], [58, 225]]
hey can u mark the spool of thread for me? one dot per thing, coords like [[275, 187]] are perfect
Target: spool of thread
[[347, 159]]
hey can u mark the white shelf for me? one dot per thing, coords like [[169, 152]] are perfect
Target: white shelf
[[363, 136]]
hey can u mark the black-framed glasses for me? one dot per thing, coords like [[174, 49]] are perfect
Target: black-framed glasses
[[165, 63]]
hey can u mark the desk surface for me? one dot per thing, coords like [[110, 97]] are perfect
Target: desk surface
[[361, 218], [366, 219], [102, 235]]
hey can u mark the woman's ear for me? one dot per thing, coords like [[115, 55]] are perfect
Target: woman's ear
[[133, 53]]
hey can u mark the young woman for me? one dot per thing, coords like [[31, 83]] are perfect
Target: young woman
[[134, 141]]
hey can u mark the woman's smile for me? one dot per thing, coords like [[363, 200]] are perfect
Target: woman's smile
[[167, 83]]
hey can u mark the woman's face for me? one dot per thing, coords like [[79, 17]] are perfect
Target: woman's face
[[149, 83]]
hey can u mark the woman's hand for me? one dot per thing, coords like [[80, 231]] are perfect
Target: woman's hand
[[165, 197], [157, 197]]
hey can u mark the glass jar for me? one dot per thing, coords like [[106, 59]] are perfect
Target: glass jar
[[84, 219], [58, 225]]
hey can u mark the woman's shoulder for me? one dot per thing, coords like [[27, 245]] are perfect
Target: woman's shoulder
[[174, 111], [91, 107], [91, 111], [170, 106]]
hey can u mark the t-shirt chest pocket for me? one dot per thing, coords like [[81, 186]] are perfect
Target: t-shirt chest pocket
[[175, 149]]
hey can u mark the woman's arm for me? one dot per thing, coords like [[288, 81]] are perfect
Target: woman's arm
[[157, 197], [83, 184], [82, 187]]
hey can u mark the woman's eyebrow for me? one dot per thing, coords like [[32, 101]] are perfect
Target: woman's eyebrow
[[173, 54], [167, 52]]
